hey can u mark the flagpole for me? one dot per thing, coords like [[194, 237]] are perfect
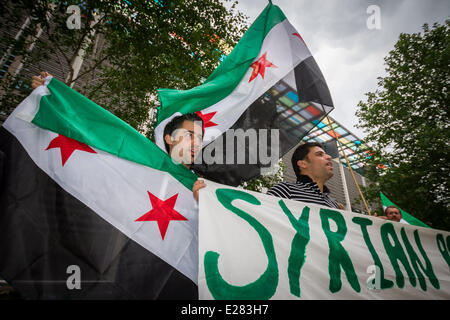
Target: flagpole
[[348, 163]]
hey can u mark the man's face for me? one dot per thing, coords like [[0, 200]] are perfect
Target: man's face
[[186, 142], [317, 164], [393, 214]]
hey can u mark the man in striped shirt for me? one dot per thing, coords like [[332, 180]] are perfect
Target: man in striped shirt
[[313, 167]]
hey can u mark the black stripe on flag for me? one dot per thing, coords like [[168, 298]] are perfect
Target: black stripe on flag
[[44, 230], [280, 107]]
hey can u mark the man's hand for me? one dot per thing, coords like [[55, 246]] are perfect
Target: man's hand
[[199, 184], [37, 81]]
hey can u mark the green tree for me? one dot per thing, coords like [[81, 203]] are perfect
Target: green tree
[[130, 48], [407, 123]]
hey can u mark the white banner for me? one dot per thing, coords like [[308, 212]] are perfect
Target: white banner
[[255, 246]]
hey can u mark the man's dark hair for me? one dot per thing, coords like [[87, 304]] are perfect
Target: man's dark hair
[[392, 207], [177, 122], [300, 154]]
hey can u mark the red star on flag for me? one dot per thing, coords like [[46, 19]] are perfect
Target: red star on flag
[[162, 212], [259, 67], [207, 119], [68, 146]]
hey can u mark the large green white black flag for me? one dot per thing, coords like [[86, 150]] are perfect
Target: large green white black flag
[[90, 208], [268, 93]]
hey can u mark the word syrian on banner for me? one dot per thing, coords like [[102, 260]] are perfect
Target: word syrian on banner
[[256, 246]]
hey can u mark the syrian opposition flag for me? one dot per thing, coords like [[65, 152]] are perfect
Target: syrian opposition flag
[[269, 82], [90, 208], [406, 217]]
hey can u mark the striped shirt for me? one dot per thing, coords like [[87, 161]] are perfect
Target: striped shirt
[[304, 190]]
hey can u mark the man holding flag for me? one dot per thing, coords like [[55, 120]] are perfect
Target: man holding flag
[[258, 104], [92, 209]]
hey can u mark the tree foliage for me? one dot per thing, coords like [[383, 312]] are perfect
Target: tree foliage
[[131, 48], [407, 121]]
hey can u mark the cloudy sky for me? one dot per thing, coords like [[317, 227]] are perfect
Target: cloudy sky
[[349, 54]]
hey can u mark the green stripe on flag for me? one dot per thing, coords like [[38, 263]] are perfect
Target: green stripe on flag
[[228, 74], [71, 114], [405, 215]]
